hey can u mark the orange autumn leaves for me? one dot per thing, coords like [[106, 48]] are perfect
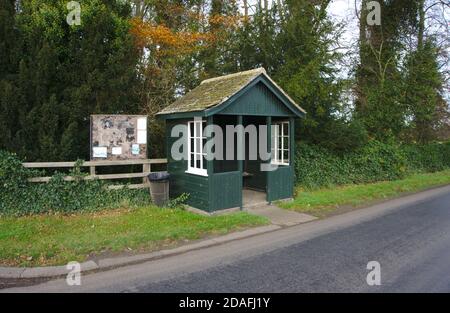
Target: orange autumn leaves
[[168, 42]]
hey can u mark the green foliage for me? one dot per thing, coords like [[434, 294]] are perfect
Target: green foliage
[[398, 79], [57, 74], [178, 202], [317, 167], [308, 70], [13, 176], [378, 88], [423, 82], [428, 158], [341, 136], [20, 197]]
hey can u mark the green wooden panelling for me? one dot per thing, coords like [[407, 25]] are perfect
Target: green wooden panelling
[[258, 101], [226, 191], [292, 147], [295, 109], [181, 182], [269, 149], [280, 183]]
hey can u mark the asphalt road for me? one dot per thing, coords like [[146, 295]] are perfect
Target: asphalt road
[[409, 237]]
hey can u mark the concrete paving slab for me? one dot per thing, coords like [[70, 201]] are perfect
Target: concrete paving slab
[[246, 233], [193, 246], [280, 216]]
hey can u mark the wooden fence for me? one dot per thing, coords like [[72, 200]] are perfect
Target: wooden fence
[[146, 169]]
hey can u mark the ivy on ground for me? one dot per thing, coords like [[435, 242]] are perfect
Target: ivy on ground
[[18, 196]]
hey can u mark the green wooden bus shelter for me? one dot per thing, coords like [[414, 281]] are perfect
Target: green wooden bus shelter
[[245, 98]]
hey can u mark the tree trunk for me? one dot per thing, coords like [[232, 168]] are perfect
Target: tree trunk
[[362, 26], [361, 81], [420, 35], [246, 9]]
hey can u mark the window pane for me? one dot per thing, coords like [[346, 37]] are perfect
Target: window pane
[[203, 145], [280, 155], [192, 146], [191, 130], [198, 163], [205, 164], [280, 143], [192, 160], [285, 129], [286, 156], [286, 143], [198, 129], [197, 146], [273, 139]]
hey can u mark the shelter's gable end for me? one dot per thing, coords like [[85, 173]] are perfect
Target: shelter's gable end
[[259, 101]]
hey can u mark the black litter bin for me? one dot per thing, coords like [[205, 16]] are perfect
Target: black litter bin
[[159, 187]]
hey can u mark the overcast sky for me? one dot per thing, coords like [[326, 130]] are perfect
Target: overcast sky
[[340, 10]]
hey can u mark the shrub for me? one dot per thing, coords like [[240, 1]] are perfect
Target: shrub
[[20, 197], [13, 175], [317, 167], [428, 158], [377, 162]]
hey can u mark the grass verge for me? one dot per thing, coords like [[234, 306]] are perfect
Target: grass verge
[[57, 239], [326, 202]]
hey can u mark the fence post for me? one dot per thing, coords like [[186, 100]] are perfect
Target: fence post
[[146, 168], [92, 169]]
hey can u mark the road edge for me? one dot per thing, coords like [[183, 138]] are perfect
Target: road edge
[[110, 263]]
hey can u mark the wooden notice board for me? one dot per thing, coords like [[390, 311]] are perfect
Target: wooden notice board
[[118, 137]]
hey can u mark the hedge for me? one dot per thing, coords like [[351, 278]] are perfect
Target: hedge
[[20, 197], [428, 158], [316, 167]]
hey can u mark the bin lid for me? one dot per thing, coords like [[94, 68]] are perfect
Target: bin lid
[[158, 176]]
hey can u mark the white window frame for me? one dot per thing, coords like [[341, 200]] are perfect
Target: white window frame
[[195, 170], [278, 146]]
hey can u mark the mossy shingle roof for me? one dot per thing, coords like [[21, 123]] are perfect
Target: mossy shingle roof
[[215, 91]]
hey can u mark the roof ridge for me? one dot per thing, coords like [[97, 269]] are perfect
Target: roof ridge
[[259, 70]]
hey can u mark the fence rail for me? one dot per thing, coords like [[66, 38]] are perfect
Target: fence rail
[[146, 169]]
